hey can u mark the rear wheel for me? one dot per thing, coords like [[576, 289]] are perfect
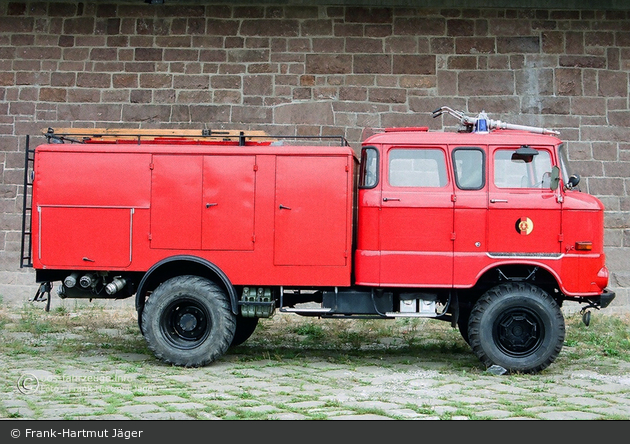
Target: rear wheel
[[462, 325], [465, 306], [244, 329], [187, 321], [517, 326]]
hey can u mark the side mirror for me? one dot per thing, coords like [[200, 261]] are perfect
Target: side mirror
[[525, 154], [554, 181], [574, 180]]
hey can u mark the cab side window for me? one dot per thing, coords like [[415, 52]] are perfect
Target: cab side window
[[368, 177], [469, 168], [514, 171], [417, 168]]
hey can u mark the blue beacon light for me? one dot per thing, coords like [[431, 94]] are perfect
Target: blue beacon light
[[481, 126]]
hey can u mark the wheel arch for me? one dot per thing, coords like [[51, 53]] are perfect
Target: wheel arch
[[182, 265], [496, 274], [534, 272]]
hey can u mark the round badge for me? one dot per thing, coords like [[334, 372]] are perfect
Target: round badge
[[524, 226]]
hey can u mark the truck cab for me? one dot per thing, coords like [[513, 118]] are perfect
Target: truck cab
[[445, 209], [483, 228]]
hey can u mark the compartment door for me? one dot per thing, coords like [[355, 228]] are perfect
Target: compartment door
[[85, 236], [228, 202], [176, 202], [311, 210]]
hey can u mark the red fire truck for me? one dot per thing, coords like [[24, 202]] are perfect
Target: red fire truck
[[483, 227]]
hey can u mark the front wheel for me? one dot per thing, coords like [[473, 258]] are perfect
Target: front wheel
[[517, 326], [187, 321]]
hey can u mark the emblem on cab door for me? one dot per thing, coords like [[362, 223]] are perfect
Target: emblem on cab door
[[524, 226]]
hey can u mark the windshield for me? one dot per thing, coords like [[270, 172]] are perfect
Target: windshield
[[564, 163]]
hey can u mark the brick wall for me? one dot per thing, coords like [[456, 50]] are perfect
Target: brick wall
[[316, 70]]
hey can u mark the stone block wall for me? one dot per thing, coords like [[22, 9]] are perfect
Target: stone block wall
[[306, 70]]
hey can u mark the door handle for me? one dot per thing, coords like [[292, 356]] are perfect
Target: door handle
[[208, 205], [282, 207], [388, 199], [498, 200]]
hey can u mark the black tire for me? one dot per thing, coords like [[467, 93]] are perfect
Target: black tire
[[244, 329], [465, 306], [517, 326], [462, 324], [187, 321]]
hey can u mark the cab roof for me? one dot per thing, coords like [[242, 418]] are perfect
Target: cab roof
[[421, 135]]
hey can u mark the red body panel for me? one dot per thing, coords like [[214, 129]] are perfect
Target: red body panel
[[229, 192], [176, 202], [103, 180], [134, 205], [64, 242], [311, 225]]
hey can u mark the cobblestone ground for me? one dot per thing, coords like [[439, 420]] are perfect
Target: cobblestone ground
[[91, 371]]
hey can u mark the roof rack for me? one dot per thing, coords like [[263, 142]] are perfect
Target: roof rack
[[169, 136], [115, 135], [481, 123]]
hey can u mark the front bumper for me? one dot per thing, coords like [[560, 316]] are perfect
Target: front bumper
[[600, 301], [604, 300]]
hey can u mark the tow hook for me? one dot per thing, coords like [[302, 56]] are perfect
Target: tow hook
[[586, 314]]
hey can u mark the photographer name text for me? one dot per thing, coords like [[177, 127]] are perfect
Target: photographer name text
[[82, 433]]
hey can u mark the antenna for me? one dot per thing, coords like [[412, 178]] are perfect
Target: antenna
[[481, 123]]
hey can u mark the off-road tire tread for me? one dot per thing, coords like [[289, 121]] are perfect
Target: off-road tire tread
[[186, 358], [505, 290], [245, 327]]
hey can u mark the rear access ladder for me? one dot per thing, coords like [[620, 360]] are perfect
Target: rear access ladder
[[26, 260]]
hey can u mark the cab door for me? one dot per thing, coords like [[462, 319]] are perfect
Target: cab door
[[416, 218], [471, 208], [524, 215]]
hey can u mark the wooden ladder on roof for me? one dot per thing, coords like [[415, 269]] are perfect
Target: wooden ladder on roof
[[122, 135]]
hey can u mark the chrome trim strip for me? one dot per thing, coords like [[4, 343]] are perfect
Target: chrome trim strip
[[130, 233], [502, 255], [39, 234]]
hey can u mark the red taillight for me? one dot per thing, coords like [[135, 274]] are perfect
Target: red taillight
[[602, 277], [584, 246]]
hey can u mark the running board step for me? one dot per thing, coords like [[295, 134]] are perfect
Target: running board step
[[410, 315], [305, 310]]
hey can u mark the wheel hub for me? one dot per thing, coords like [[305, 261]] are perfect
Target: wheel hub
[[518, 333], [187, 322]]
